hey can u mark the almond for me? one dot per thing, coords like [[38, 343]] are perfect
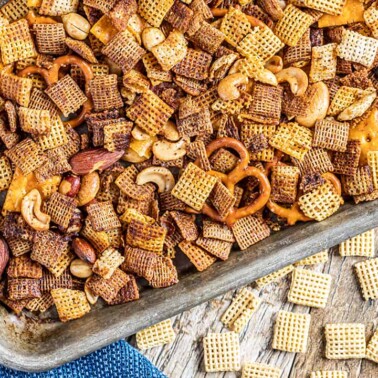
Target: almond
[[4, 255], [95, 159], [84, 250]]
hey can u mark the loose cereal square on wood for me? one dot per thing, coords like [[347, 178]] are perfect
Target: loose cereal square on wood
[[360, 245], [275, 276], [258, 370], [158, 334], [329, 374], [367, 274]]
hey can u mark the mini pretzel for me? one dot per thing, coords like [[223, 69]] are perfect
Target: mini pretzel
[[241, 171], [294, 214], [51, 76]]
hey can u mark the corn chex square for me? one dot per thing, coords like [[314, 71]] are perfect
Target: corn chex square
[[158, 334], [360, 245], [372, 348], [291, 332], [318, 258], [194, 187], [367, 274], [275, 276], [345, 340], [258, 370], [221, 352], [309, 288], [329, 374]]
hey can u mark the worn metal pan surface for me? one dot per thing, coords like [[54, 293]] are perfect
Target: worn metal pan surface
[[32, 345]]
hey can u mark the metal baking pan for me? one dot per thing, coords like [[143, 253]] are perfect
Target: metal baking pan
[[33, 346]]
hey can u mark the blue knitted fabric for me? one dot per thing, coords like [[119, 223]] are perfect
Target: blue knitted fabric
[[119, 360]]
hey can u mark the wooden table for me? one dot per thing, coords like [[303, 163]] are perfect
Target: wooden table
[[184, 358]]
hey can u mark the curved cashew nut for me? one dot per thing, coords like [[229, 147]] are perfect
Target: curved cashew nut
[[274, 64], [318, 106], [31, 211], [170, 132], [227, 88], [267, 77], [160, 176], [167, 151], [297, 79]]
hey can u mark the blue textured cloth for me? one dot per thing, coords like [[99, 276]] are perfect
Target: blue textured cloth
[[119, 360]]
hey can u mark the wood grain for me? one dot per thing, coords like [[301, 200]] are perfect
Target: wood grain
[[184, 358]]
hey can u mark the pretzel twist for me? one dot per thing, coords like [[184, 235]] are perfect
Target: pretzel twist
[[51, 76], [294, 214], [240, 172]]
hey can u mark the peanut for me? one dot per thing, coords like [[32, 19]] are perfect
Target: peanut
[[81, 269], [76, 26]]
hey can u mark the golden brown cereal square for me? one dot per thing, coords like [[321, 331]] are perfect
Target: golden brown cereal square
[[214, 230], [105, 94], [284, 182], [108, 262], [367, 274], [58, 7], [154, 70], [293, 139], [6, 173], [16, 88], [345, 340], [154, 11], [104, 6], [217, 248], [102, 216], [61, 209], [34, 121], [195, 65], [360, 183], [71, 304], [26, 155], [195, 124], [291, 27], [146, 236], [343, 98], [309, 288], [16, 42], [222, 199], [291, 332], [323, 62], [23, 288], [266, 104], [316, 160], [159, 334], [13, 10], [41, 304], [141, 262], [50, 281], [318, 258], [221, 352], [121, 13], [357, 48], [235, 26], [83, 50], [47, 248], [208, 38], [50, 38], [185, 224], [117, 135], [179, 16], [57, 137], [108, 289], [24, 267], [124, 51], [258, 370], [223, 161], [150, 112], [62, 263], [360, 245], [249, 230], [197, 256], [275, 276], [57, 164], [128, 293], [19, 246], [171, 51], [371, 19], [40, 101], [165, 273], [194, 187], [67, 95], [346, 163], [331, 135], [300, 54]]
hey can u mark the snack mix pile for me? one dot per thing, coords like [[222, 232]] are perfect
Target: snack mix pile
[[135, 130]]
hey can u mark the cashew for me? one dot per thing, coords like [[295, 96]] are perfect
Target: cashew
[[139, 134], [166, 151], [152, 37], [297, 79], [92, 299], [170, 132], [132, 157], [143, 147], [318, 106], [160, 176], [274, 64], [359, 107], [228, 87], [31, 211], [267, 77], [76, 26], [90, 185]]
